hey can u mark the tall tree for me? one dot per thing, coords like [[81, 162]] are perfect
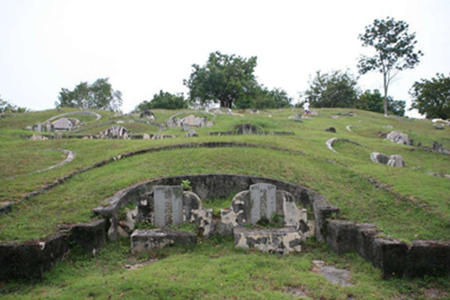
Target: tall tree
[[394, 50], [98, 95], [5, 107], [164, 100], [374, 101], [335, 89], [432, 97], [224, 78]]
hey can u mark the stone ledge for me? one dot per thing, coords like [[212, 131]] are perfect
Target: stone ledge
[[154, 239], [273, 240], [30, 259], [394, 257]]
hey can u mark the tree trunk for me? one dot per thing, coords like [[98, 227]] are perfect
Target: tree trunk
[[222, 104], [385, 87]]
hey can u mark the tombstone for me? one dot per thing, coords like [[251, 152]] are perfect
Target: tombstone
[[263, 202], [168, 205], [37, 127], [398, 137]]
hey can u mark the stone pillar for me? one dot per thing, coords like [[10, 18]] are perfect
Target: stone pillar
[[263, 201], [168, 205]]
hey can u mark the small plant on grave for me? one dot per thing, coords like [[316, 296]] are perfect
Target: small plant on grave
[[122, 215], [185, 227], [186, 185], [276, 221], [145, 225]]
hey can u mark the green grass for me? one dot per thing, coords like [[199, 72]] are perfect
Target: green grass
[[216, 204], [213, 270], [416, 207]]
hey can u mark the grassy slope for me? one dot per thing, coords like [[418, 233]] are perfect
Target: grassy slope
[[339, 176]]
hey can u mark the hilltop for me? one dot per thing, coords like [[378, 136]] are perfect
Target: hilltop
[[408, 203]]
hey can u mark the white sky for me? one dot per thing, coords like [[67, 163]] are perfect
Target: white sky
[[145, 46]]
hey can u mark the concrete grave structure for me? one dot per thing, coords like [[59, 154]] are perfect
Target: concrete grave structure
[[168, 203], [263, 202]]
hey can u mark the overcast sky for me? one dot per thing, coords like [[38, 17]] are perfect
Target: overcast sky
[[145, 46]]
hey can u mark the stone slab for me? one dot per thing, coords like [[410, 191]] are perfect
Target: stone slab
[[168, 205], [148, 240], [273, 240], [263, 201]]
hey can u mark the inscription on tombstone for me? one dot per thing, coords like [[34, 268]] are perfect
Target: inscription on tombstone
[[263, 201], [168, 201]]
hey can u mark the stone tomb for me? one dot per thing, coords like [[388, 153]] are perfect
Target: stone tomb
[[168, 205], [263, 202]]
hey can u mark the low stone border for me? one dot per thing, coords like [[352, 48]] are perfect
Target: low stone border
[[30, 259], [172, 123], [151, 136], [218, 186], [219, 133], [64, 178], [70, 155], [90, 113], [394, 257], [331, 141]]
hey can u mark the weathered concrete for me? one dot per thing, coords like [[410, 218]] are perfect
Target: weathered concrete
[[398, 137], [148, 240], [279, 240], [168, 205], [263, 202]]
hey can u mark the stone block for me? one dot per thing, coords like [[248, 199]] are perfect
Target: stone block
[[364, 240], [274, 240], [168, 205], [90, 236], [263, 202], [390, 256], [149, 240], [341, 235], [428, 257]]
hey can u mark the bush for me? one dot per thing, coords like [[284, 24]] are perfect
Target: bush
[[163, 100]]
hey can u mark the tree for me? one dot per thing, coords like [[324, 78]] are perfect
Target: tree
[[99, 95], [5, 107], [374, 101], [432, 97], [224, 78], [335, 89], [163, 100], [394, 50], [276, 98]]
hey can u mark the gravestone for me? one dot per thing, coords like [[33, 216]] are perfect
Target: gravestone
[[168, 205], [263, 201]]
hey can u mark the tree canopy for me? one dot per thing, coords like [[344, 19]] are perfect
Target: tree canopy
[[335, 89], [374, 101], [163, 100], [432, 97], [394, 50], [98, 95], [224, 78], [5, 107]]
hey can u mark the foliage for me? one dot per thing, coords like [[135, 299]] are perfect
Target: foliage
[[335, 89], [99, 95], [394, 50], [263, 98], [186, 185], [373, 101], [432, 97], [163, 100], [227, 79], [5, 106]]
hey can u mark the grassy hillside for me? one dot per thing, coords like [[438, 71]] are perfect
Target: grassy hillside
[[411, 205]]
